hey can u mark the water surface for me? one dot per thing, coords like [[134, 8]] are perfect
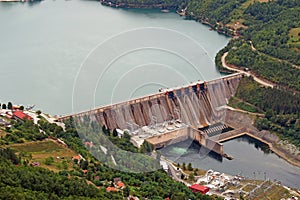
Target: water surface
[[44, 44], [252, 159]]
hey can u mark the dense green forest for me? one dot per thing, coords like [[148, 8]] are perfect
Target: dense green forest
[[271, 27], [281, 108], [22, 181], [280, 72]]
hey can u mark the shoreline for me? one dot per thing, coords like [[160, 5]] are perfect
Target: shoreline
[[282, 155], [276, 151], [221, 29]]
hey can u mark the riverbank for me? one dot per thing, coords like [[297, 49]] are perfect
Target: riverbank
[[243, 124], [279, 152], [230, 186], [139, 5]]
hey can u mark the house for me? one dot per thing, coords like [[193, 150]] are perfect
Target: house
[[78, 158], [35, 164], [120, 185], [116, 180], [132, 198], [111, 189], [199, 188], [21, 115]]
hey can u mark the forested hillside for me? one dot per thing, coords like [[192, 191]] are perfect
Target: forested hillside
[[282, 109], [271, 27], [86, 178]]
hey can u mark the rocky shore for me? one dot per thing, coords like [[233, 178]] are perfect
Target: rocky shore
[[283, 149]]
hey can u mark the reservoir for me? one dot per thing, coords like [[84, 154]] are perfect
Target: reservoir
[[252, 159], [68, 56]]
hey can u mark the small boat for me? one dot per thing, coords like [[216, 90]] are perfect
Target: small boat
[[229, 157], [165, 11]]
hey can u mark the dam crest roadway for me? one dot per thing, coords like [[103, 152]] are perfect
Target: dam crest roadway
[[172, 115]]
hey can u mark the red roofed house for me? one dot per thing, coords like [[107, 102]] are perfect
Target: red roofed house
[[21, 115], [111, 189], [120, 185], [199, 188]]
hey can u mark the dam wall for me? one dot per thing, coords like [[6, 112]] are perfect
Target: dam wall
[[214, 146], [166, 139], [197, 105]]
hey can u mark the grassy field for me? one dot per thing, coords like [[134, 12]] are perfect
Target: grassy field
[[294, 40], [41, 150], [294, 33]]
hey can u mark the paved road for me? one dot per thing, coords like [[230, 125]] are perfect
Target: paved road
[[173, 170], [53, 120], [244, 72]]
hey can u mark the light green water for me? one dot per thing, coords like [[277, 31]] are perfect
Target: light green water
[[44, 44]]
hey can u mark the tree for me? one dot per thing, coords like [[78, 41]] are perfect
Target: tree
[[269, 113], [146, 147], [65, 165], [4, 106], [126, 192], [49, 160], [183, 166], [9, 105], [84, 164], [115, 133], [190, 168], [191, 177], [38, 112]]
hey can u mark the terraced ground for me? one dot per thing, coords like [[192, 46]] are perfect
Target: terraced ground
[[41, 150]]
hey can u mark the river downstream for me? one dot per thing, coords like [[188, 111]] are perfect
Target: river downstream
[[252, 159]]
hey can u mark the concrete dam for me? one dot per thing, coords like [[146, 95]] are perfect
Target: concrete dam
[[193, 106]]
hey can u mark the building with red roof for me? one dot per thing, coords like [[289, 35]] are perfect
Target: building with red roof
[[111, 189], [21, 115], [199, 188], [120, 185]]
